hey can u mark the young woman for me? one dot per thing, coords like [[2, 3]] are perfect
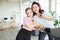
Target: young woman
[[42, 18], [28, 25]]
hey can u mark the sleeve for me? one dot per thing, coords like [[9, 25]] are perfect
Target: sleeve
[[26, 21], [35, 21]]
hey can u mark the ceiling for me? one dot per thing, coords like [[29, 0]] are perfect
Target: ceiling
[[8, 0], [14, 0], [17, 0]]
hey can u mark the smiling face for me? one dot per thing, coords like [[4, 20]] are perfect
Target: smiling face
[[35, 8], [29, 13]]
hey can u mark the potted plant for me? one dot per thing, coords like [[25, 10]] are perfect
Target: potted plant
[[55, 22]]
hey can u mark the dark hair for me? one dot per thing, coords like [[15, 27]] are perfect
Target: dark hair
[[40, 11]]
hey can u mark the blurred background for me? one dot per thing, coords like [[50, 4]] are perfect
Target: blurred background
[[13, 11]]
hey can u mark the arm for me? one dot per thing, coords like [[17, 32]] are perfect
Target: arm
[[28, 24], [38, 25], [47, 17], [44, 16]]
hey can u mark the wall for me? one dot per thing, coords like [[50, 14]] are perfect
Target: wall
[[7, 8]]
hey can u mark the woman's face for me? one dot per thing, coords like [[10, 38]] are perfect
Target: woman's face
[[35, 8]]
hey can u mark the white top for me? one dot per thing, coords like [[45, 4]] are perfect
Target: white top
[[45, 22]]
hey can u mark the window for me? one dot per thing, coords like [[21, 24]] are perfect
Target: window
[[58, 7], [44, 4]]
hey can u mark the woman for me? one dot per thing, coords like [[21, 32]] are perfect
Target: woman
[[41, 18]]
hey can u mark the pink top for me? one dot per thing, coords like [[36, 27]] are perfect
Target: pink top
[[27, 21]]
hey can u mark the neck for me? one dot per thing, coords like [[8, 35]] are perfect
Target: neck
[[30, 17], [38, 14]]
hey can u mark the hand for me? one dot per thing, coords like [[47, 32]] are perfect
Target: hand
[[39, 26]]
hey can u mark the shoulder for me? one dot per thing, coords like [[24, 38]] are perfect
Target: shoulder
[[34, 16], [25, 18], [47, 13]]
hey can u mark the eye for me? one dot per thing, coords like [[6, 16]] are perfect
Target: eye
[[27, 13]]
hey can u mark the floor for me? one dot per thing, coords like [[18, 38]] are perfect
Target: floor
[[34, 37], [10, 34]]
